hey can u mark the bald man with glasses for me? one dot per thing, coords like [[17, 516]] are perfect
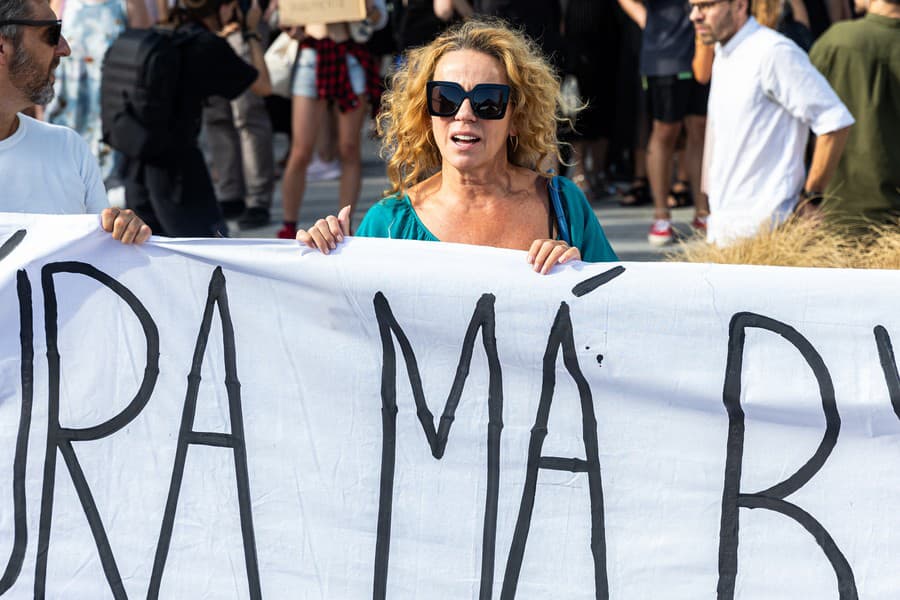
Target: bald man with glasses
[[45, 168]]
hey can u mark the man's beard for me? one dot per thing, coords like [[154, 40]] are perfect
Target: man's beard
[[27, 77]]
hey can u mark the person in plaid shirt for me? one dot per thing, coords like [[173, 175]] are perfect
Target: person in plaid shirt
[[331, 68]]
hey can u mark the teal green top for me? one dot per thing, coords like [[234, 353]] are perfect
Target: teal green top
[[394, 217]]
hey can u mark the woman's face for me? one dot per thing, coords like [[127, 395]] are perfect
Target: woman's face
[[466, 142]]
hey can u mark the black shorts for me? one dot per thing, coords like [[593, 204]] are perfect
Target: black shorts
[[673, 98]]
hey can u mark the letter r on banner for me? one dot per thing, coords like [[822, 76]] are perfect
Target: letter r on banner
[[61, 438], [773, 498]]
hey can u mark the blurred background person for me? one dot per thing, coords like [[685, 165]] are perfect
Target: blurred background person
[[787, 17], [239, 141], [541, 20], [592, 57], [334, 67], [419, 21], [861, 61], [676, 100], [632, 124], [90, 26], [765, 98], [173, 192]]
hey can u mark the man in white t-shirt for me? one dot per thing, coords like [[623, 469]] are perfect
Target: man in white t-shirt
[[46, 168], [764, 99]]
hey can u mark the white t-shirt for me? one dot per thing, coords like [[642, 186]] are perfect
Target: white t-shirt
[[764, 98], [49, 169]]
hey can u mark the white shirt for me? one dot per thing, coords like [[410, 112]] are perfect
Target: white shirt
[[764, 97], [49, 169]]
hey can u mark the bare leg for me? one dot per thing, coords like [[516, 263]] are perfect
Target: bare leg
[[579, 173], [598, 149], [640, 162], [306, 115], [693, 160], [326, 141], [660, 149], [349, 130], [682, 173]]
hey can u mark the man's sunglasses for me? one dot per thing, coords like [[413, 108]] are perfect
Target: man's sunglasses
[[488, 100], [54, 28]]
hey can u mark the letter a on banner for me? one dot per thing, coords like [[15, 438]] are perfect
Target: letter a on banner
[[235, 440], [774, 498], [561, 336]]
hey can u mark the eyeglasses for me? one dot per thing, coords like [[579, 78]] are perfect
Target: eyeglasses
[[488, 100], [54, 28], [701, 7]]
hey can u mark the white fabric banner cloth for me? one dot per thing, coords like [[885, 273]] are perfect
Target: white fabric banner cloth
[[248, 419]]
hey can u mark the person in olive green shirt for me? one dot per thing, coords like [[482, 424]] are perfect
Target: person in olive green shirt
[[861, 61]]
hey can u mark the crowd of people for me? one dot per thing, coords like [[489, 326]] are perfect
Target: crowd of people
[[707, 103]]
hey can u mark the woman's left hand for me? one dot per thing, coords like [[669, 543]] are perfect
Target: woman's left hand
[[543, 254]]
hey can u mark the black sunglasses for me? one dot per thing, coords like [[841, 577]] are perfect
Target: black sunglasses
[[54, 28], [488, 100]]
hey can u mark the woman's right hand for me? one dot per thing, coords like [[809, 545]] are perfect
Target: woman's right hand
[[326, 233]]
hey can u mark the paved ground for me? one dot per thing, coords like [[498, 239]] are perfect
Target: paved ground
[[626, 228]]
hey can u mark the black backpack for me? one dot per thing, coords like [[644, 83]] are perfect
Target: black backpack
[[139, 92]]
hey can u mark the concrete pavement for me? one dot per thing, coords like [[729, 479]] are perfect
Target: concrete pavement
[[626, 228]]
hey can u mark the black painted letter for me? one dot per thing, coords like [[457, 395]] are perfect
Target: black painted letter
[[217, 297], [561, 336], [26, 342], [61, 438], [888, 366], [482, 318], [774, 497]]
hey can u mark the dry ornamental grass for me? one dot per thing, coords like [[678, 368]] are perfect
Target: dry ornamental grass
[[804, 243]]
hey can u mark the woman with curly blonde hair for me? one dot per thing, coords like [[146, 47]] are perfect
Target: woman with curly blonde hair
[[466, 125]]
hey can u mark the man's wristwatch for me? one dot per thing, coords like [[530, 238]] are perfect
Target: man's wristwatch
[[250, 35]]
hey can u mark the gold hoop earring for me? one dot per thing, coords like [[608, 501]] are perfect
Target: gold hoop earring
[[514, 139]]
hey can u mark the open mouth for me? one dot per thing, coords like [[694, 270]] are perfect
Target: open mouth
[[465, 140]]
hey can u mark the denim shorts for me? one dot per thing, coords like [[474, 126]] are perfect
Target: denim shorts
[[305, 75]]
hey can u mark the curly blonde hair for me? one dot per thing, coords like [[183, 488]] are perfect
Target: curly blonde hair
[[404, 124]]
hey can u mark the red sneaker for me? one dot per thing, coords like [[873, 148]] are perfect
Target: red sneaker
[[287, 233], [661, 233], [699, 224]]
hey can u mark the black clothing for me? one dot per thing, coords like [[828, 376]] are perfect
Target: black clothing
[[592, 38], [819, 20], [672, 98], [541, 20], [174, 194], [417, 25], [668, 39]]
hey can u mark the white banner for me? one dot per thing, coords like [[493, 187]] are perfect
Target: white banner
[[246, 419]]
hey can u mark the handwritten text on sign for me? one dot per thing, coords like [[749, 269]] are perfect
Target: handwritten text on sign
[[243, 419]]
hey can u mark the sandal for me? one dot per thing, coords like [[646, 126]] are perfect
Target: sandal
[[638, 194], [679, 198]]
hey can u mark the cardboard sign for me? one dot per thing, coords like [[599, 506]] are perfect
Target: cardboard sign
[[248, 419], [305, 12]]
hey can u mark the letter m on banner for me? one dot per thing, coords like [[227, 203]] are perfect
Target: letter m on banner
[[483, 319]]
